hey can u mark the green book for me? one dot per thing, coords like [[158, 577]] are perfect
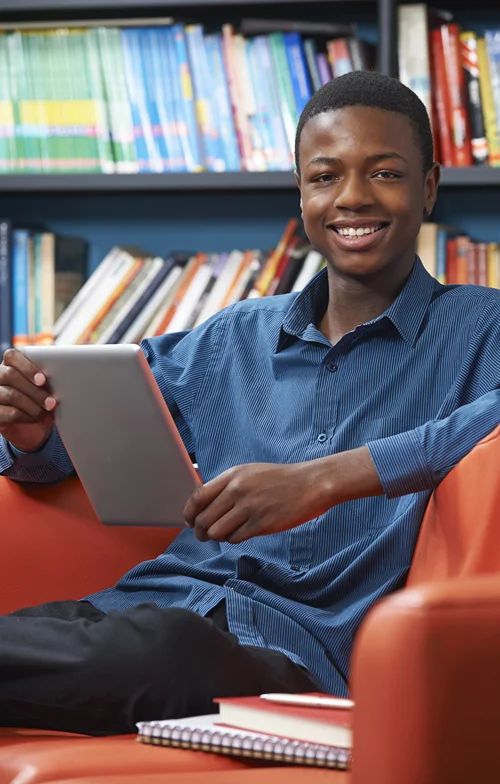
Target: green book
[[8, 147], [285, 86], [115, 90], [98, 98]]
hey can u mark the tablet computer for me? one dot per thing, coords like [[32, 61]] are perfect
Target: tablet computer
[[118, 432]]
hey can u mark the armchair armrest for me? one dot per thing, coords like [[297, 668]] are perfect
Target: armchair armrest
[[425, 675], [54, 547]]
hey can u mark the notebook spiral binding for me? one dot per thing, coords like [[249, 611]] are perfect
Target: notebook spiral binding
[[275, 749]]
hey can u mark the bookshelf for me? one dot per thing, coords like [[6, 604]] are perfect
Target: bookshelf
[[168, 211]]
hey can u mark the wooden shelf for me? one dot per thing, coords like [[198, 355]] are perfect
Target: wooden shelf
[[13, 6], [474, 176], [93, 183], [470, 176]]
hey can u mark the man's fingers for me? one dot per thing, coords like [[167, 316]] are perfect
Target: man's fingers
[[226, 525], [203, 496], [16, 359]]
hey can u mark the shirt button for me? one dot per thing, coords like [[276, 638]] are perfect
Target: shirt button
[[332, 367], [322, 438]]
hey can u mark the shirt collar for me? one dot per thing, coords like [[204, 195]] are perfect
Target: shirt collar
[[406, 313]]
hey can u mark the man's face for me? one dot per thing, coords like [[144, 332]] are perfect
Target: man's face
[[362, 188]]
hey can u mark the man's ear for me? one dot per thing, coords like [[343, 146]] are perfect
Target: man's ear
[[297, 180]]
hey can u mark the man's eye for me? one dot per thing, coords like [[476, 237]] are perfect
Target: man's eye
[[325, 178], [388, 175]]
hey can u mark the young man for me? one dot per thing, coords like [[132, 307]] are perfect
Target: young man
[[321, 423]]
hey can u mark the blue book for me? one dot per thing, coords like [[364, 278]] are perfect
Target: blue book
[[191, 139], [20, 287], [203, 91], [134, 78], [298, 69], [215, 56], [259, 118], [311, 53], [158, 106], [5, 286], [173, 96]]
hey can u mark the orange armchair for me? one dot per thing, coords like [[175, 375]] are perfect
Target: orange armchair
[[425, 662]]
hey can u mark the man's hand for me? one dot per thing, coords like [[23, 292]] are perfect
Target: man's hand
[[26, 407], [263, 498]]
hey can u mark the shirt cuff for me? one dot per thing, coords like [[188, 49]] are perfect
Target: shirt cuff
[[42, 456], [401, 464]]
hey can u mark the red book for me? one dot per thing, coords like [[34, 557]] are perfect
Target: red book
[[455, 80], [441, 100], [325, 726]]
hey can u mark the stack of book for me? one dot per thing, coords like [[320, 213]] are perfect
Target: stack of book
[[452, 257], [302, 729], [456, 73], [133, 294], [164, 97]]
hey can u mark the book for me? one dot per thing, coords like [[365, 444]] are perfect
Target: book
[[455, 81], [324, 725], [413, 51], [479, 145], [488, 104], [203, 733], [5, 286]]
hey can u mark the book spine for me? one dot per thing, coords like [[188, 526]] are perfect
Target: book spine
[[98, 99], [247, 98], [492, 39], [455, 78], [441, 253], [443, 109], [135, 87], [13, 65], [125, 281], [285, 86], [107, 41], [413, 51], [20, 288], [203, 99], [482, 264], [178, 130], [493, 271], [479, 145], [324, 68], [311, 52], [158, 101], [240, 118], [339, 56], [6, 286], [282, 153], [261, 117], [190, 136], [213, 45], [298, 69], [489, 113], [8, 152]]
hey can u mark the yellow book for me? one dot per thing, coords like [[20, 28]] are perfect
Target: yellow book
[[493, 265], [489, 114]]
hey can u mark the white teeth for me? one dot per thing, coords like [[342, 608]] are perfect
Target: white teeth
[[352, 232]]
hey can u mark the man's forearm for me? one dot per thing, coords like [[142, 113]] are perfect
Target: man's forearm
[[347, 475]]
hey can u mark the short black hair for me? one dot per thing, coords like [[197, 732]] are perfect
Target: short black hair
[[370, 88]]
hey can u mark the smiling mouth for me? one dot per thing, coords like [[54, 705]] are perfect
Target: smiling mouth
[[358, 232]]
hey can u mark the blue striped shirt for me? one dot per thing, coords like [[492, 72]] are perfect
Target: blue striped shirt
[[258, 382]]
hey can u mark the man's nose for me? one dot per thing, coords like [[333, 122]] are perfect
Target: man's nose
[[354, 192]]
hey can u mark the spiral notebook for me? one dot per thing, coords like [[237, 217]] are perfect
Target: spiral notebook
[[202, 733]]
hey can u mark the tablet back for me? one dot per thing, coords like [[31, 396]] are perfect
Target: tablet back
[[118, 432]]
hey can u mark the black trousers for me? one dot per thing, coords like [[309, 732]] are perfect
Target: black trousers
[[69, 666]]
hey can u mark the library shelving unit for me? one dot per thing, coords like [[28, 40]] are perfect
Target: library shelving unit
[[168, 211]]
